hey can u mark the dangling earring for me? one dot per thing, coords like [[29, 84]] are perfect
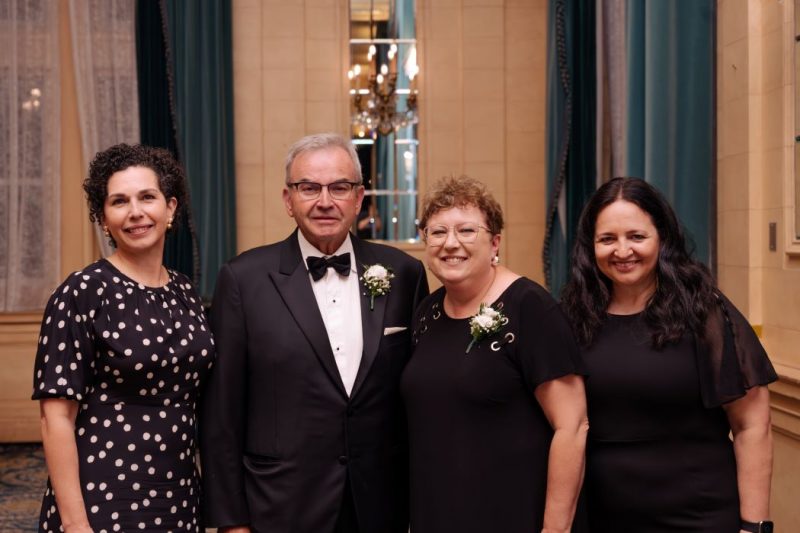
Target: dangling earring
[[169, 224], [495, 260], [108, 233]]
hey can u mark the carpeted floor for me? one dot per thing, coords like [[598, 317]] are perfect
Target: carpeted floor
[[22, 482]]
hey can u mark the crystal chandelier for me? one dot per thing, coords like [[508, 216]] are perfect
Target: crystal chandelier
[[383, 89]]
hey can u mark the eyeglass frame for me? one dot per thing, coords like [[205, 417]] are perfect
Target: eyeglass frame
[[453, 230], [353, 186]]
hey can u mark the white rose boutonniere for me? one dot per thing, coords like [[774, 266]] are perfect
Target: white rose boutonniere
[[377, 280], [488, 320]]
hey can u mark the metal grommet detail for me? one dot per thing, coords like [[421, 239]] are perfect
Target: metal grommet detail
[[504, 321], [498, 305], [436, 315], [508, 338], [423, 329]]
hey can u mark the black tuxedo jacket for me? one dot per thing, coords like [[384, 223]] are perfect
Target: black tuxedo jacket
[[278, 433]]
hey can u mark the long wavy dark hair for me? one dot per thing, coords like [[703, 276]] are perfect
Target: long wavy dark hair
[[685, 291]]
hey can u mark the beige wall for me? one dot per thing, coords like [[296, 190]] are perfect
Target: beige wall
[[481, 104], [755, 76]]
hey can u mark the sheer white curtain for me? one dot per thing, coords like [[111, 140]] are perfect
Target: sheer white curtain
[[30, 144], [104, 50]]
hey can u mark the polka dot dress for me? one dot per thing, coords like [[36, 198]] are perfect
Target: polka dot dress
[[134, 358]]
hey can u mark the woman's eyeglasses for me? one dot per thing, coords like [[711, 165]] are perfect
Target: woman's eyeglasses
[[309, 190], [466, 233]]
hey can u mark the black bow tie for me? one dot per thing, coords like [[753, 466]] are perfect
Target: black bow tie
[[317, 266]]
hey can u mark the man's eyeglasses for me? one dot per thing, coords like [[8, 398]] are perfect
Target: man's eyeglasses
[[309, 190], [466, 233]]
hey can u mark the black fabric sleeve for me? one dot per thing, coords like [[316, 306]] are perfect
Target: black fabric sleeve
[[66, 348], [731, 358], [546, 348], [223, 411]]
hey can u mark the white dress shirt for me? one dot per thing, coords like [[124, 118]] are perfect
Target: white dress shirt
[[339, 303]]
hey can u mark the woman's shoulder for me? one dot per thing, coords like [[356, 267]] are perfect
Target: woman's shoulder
[[526, 292], [81, 291], [96, 275], [435, 297]]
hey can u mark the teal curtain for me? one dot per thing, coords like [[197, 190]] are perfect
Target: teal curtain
[[665, 92], [201, 49], [671, 101], [405, 154], [393, 150], [571, 110], [157, 123]]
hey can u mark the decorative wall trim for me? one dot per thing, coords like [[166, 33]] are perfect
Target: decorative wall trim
[[785, 401]]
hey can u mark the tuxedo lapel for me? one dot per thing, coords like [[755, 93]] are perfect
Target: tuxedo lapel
[[295, 289], [371, 319]]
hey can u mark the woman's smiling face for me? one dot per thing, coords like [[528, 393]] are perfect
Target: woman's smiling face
[[453, 261], [626, 246]]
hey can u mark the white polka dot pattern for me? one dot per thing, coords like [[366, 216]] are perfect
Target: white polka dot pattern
[[134, 357]]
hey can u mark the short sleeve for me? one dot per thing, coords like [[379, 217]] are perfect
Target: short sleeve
[[66, 351], [546, 348], [732, 359]]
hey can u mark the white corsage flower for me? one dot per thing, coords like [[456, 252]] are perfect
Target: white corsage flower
[[488, 320], [377, 280]]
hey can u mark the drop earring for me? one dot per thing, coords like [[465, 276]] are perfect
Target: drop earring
[[105, 230], [169, 224], [495, 260]]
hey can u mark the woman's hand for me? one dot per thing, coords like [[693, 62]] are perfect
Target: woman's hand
[[749, 418], [563, 401]]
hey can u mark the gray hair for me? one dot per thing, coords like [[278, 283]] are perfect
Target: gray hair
[[320, 141]]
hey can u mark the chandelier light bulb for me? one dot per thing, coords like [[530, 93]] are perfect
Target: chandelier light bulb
[[372, 51], [379, 78], [357, 70], [350, 74], [384, 69]]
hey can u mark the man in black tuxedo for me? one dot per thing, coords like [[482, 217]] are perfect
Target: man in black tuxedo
[[302, 426]]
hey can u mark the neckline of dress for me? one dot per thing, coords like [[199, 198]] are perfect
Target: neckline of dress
[[499, 298], [630, 316], [118, 272]]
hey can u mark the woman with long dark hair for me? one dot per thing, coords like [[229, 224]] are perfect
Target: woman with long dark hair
[[673, 369]]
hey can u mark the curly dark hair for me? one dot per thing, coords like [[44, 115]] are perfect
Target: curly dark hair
[[171, 177], [462, 191], [685, 291]]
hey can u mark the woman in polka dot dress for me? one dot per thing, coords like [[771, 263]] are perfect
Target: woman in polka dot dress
[[123, 352]]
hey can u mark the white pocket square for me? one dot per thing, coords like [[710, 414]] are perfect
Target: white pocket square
[[393, 330]]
